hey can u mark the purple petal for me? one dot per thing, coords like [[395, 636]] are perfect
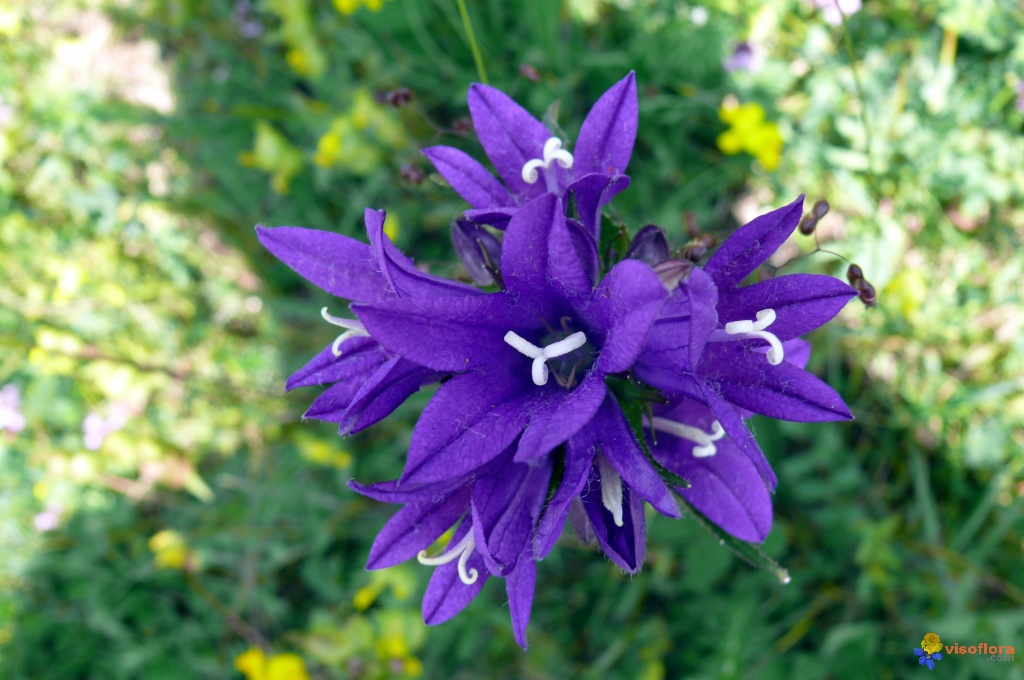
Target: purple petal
[[446, 594], [678, 336], [415, 527], [520, 585], [469, 422], [330, 406], [626, 302], [393, 492], [580, 522], [402, 277], [618, 444], [784, 391], [738, 433], [725, 487], [360, 357], [592, 192], [752, 244], [797, 352], [495, 217], [447, 333], [340, 265], [538, 252], [506, 505], [624, 545], [606, 139], [385, 391], [579, 455], [510, 136], [586, 250], [560, 414], [477, 248], [802, 302], [470, 179]]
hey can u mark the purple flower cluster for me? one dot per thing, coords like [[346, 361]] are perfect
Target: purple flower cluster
[[545, 364]]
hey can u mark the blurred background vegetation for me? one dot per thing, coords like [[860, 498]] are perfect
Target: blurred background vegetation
[[165, 514]]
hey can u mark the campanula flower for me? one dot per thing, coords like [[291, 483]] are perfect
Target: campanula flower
[[545, 369], [532, 161], [723, 344]]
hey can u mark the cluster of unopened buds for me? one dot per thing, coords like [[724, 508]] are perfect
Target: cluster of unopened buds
[[658, 356]]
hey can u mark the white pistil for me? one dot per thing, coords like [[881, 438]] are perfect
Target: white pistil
[[354, 329], [611, 488], [540, 355], [705, 442], [756, 329], [553, 153], [463, 550]]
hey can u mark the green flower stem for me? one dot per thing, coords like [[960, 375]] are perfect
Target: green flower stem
[[472, 41]]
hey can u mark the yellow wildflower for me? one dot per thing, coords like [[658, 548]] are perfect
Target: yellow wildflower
[[170, 551], [286, 667], [252, 663], [749, 132], [255, 665], [351, 6], [273, 153], [931, 643]]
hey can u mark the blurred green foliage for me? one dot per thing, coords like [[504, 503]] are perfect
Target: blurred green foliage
[[139, 144]]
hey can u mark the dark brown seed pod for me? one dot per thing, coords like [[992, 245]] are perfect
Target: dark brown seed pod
[[529, 72], [807, 225], [820, 209], [692, 230], [397, 98], [412, 174], [854, 274], [867, 294], [462, 126], [698, 247]]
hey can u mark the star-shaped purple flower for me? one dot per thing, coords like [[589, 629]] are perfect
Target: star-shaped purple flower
[[368, 381], [532, 161], [529, 365], [722, 344]]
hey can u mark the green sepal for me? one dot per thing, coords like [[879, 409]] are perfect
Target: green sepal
[[748, 552]]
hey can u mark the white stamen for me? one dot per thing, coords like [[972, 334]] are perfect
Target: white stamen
[[704, 441], [462, 550], [539, 370], [553, 153], [611, 488], [354, 328], [756, 329]]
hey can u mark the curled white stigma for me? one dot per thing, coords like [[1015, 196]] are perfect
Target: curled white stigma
[[756, 329], [611, 488], [705, 442], [463, 549], [553, 153], [540, 355], [354, 329]]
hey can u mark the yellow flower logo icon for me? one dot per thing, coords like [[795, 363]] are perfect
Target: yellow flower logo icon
[[931, 644]]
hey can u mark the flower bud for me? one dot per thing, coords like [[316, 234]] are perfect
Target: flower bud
[[867, 294], [649, 245], [529, 72], [854, 274], [478, 249], [397, 98]]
